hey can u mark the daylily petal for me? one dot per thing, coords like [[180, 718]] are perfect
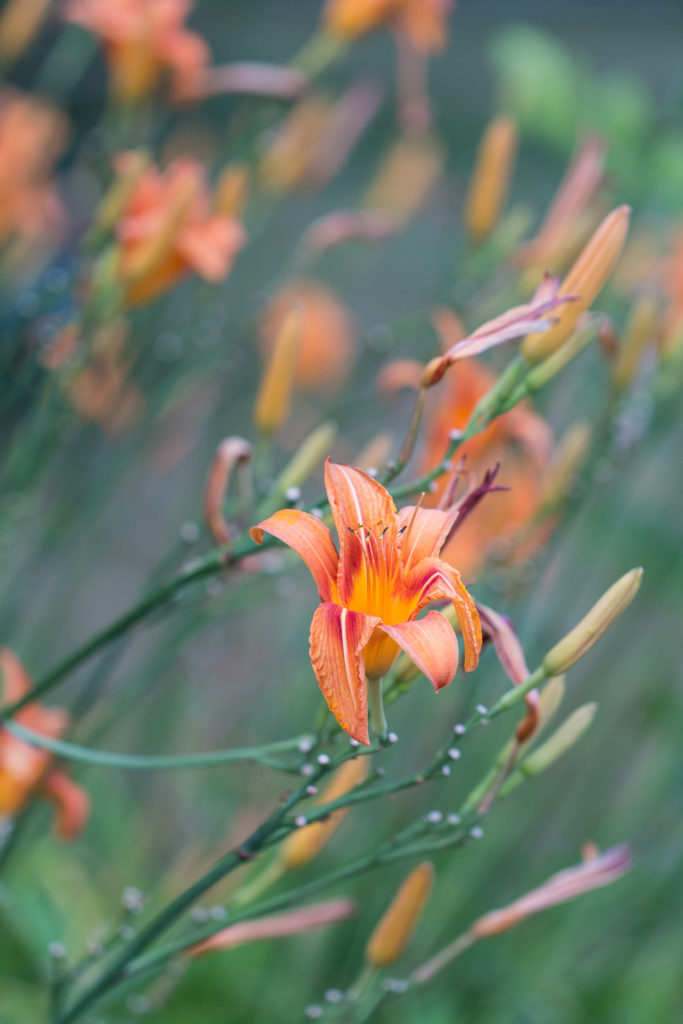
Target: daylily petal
[[435, 580], [311, 540], [338, 641], [357, 501], [426, 532], [431, 644], [72, 804]]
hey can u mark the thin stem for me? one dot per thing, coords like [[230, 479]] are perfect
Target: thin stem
[[376, 709], [152, 762]]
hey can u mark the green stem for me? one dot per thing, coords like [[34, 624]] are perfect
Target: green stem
[[378, 719], [139, 762]]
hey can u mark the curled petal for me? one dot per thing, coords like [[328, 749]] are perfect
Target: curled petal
[[431, 644], [511, 657], [356, 501], [435, 580], [338, 641], [72, 804], [231, 451], [311, 540]]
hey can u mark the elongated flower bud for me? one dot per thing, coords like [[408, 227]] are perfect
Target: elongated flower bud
[[306, 843], [274, 395], [406, 177], [601, 616], [642, 329], [568, 458], [19, 24], [569, 733], [129, 167], [307, 457], [491, 177], [585, 280], [393, 932], [232, 190]]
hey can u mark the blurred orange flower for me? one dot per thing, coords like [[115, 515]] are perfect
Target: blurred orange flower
[[144, 40], [327, 333], [167, 229], [387, 570], [26, 770], [32, 135], [100, 392], [422, 22], [520, 440]]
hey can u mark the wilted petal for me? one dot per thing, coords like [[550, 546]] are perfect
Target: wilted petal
[[511, 657], [431, 644], [304, 919], [230, 451], [338, 641], [311, 540]]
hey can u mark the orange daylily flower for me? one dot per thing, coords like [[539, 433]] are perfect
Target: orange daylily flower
[[387, 570], [520, 440], [143, 40], [327, 333], [167, 229], [32, 135], [422, 22], [26, 770]]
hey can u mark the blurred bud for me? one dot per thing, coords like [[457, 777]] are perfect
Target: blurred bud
[[608, 336], [584, 281], [569, 456], [375, 453], [72, 804], [577, 188], [232, 190], [406, 178], [582, 336], [251, 78], [562, 740], [20, 22], [285, 163], [308, 456], [642, 330], [348, 225], [62, 348], [293, 922], [397, 375], [393, 932], [491, 177], [274, 395], [129, 167], [305, 843], [327, 334], [601, 616], [352, 18], [562, 887], [231, 452]]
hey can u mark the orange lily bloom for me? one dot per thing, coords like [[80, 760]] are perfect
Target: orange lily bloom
[[26, 770], [143, 40], [387, 570], [327, 342], [520, 440], [32, 134], [167, 229]]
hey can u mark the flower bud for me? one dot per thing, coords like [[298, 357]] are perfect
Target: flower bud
[[232, 190], [393, 932], [571, 730], [601, 616], [406, 177], [491, 177], [310, 453], [642, 329], [274, 395], [568, 458], [129, 166], [305, 843], [585, 280], [20, 22]]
